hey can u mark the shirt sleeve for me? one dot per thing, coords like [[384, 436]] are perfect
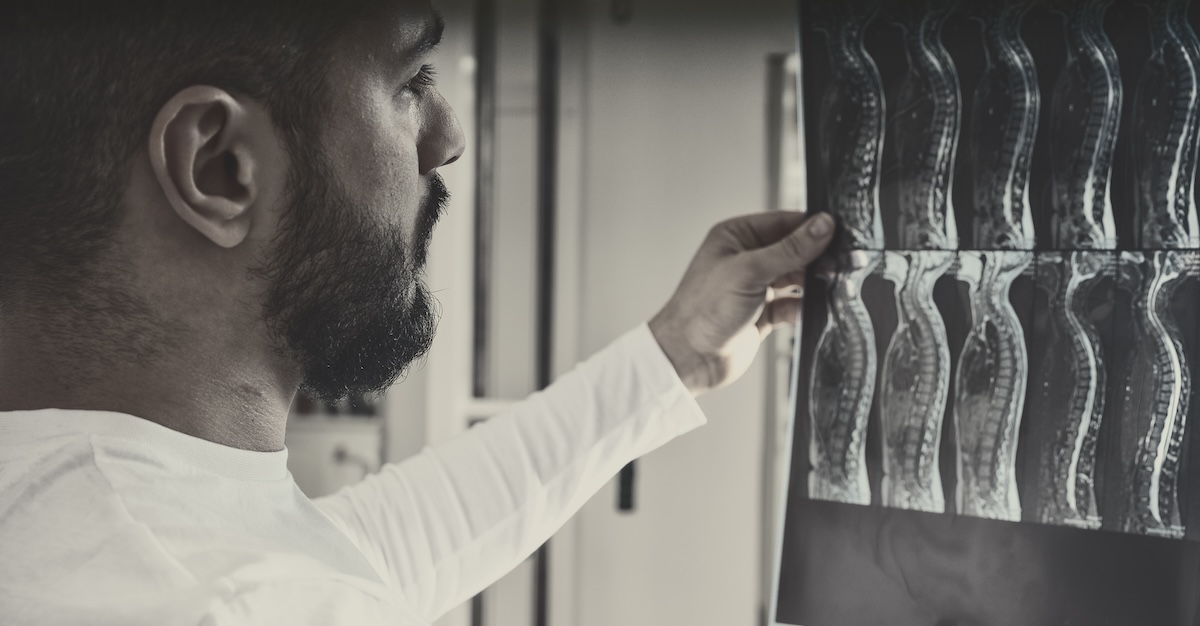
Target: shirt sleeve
[[448, 522], [316, 602]]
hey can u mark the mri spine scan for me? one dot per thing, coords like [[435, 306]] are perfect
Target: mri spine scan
[[842, 385], [1004, 123], [852, 123], [916, 381], [1041, 371], [841, 389], [1070, 398], [1157, 390], [1085, 111], [1165, 123], [989, 392], [915, 377], [924, 133], [1158, 379]]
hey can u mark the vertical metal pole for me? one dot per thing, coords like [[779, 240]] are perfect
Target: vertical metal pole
[[775, 126], [547, 192], [485, 152], [485, 156], [547, 182], [477, 609]]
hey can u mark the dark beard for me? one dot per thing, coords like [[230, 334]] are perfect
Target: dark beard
[[345, 299]]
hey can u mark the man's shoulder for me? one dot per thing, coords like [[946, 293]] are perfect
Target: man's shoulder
[[52, 476], [70, 556], [52, 481], [100, 530], [68, 545]]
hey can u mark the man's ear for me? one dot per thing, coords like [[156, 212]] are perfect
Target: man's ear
[[211, 155]]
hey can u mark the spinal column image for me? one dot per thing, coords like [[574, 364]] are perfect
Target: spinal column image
[[1068, 384], [994, 383], [988, 261], [915, 377], [1158, 381], [922, 131], [842, 387], [1157, 390], [989, 393]]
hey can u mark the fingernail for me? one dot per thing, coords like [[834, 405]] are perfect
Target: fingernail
[[820, 225]]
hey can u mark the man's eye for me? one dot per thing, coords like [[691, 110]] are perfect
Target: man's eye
[[425, 78]]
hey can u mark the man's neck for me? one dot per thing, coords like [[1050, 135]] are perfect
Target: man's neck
[[227, 396]]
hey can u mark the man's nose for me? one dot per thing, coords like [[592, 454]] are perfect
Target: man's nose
[[443, 141]]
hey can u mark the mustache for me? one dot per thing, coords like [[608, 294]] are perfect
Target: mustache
[[437, 199], [433, 207]]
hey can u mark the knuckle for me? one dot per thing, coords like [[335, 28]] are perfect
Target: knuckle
[[726, 236], [727, 226]]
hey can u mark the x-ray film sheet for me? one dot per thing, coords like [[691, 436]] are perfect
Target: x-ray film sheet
[[994, 389]]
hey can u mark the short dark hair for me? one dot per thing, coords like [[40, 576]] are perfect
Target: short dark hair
[[81, 82]]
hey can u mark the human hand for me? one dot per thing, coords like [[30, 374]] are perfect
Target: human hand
[[746, 279]]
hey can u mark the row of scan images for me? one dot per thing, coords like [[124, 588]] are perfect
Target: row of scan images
[[1003, 124], [1052, 387]]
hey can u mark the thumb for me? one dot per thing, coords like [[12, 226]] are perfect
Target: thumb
[[793, 252]]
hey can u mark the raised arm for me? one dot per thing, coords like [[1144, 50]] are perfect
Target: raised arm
[[445, 524]]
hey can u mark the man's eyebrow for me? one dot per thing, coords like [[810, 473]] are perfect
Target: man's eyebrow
[[430, 37]]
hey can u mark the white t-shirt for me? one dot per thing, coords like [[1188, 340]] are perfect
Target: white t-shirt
[[107, 518]]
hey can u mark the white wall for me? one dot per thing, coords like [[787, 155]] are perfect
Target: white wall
[[675, 140]]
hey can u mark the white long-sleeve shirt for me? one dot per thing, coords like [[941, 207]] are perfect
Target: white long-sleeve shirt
[[108, 518]]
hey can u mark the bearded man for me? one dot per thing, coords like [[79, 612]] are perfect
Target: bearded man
[[205, 207]]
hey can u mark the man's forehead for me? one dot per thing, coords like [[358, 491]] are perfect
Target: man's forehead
[[415, 28], [394, 36]]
